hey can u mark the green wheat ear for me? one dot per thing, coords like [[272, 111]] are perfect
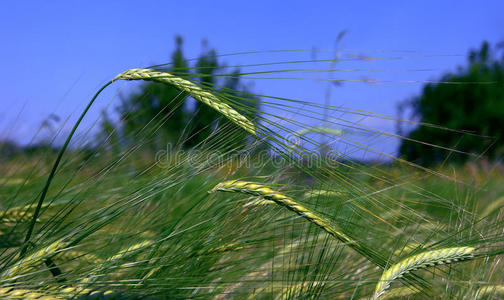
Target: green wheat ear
[[192, 89], [265, 192], [419, 261], [256, 189], [26, 264]]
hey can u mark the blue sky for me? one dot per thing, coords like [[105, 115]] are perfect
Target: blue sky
[[56, 54]]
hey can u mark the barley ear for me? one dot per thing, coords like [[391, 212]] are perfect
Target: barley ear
[[192, 89], [419, 261], [27, 263], [256, 189]]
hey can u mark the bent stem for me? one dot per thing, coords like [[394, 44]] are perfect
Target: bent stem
[[24, 247]]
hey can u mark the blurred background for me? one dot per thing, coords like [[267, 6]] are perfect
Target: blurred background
[[394, 58]]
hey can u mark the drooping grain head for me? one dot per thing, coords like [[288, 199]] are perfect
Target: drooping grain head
[[418, 261], [192, 89], [257, 189]]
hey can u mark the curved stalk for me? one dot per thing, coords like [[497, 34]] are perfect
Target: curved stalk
[[53, 172]]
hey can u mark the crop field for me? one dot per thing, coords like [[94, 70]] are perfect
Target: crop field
[[265, 206]]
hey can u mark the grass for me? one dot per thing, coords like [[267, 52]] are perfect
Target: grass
[[133, 223], [211, 245]]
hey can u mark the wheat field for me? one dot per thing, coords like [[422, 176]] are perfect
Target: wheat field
[[269, 219]]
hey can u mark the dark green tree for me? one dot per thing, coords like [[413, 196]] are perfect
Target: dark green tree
[[474, 104]]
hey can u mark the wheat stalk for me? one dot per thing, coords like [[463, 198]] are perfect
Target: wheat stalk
[[73, 291], [13, 181], [121, 254], [15, 216], [71, 255], [327, 130], [22, 213], [400, 292], [216, 250], [493, 206], [221, 249], [490, 290], [129, 250], [27, 263], [256, 189], [408, 248], [418, 261], [321, 193], [18, 214], [258, 202], [11, 293], [54, 294], [286, 292], [322, 130], [192, 89]]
